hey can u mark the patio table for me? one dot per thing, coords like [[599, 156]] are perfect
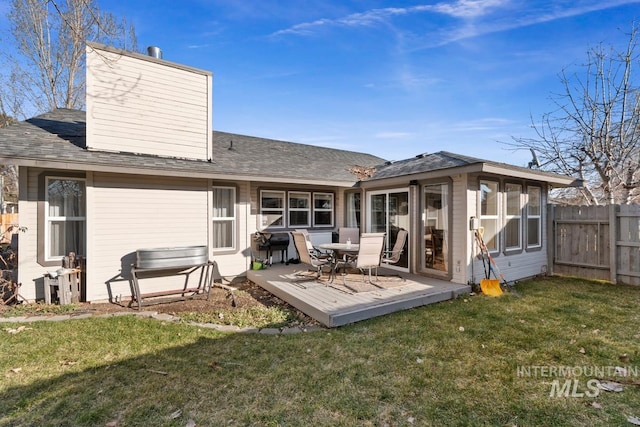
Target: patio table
[[339, 248]]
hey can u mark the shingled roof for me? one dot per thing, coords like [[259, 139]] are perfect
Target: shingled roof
[[272, 157], [443, 160], [57, 139]]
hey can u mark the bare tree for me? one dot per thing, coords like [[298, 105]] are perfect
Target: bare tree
[[49, 36], [594, 132], [46, 60], [8, 173]]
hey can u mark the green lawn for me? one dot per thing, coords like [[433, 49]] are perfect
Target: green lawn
[[453, 363]]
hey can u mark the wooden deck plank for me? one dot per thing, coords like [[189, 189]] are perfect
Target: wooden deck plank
[[333, 307]]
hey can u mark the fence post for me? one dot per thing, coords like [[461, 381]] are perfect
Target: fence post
[[551, 245], [613, 243]]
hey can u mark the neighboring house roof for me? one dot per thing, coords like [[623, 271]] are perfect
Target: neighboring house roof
[[442, 163], [57, 140]]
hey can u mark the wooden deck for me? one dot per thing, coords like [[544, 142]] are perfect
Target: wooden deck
[[333, 307]]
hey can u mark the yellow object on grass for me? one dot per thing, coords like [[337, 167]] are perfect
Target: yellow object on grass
[[491, 287]]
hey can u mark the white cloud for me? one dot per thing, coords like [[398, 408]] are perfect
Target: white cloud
[[461, 9], [468, 9], [361, 19], [477, 17], [526, 16]]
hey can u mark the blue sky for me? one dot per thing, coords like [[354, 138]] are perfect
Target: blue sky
[[394, 79]]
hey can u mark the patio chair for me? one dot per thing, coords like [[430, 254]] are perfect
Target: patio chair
[[349, 233], [312, 249], [393, 256], [429, 247], [368, 257], [306, 257]]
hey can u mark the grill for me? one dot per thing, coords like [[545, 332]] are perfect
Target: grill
[[271, 242]]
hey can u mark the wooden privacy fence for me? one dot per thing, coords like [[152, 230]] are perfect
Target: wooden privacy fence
[[6, 221], [595, 242]]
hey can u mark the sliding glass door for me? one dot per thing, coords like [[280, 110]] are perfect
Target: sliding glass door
[[436, 227], [388, 213]]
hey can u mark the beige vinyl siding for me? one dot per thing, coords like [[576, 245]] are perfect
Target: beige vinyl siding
[[126, 213], [231, 265], [30, 273], [459, 229], [527, 263], [513, 266], [142, 105], [130, 212]]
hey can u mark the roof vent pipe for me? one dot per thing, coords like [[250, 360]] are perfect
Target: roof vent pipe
[[155, 52]]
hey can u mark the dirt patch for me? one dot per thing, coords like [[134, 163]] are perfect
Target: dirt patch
[[247, 295]]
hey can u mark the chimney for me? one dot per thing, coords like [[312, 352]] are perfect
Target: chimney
[[155, 52]]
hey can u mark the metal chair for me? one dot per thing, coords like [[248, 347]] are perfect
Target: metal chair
[[393, 256], [350, 234], [429, 247], [306, 257], [312, 249], [368, 257]]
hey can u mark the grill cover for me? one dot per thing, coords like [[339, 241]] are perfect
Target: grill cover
[[279, 241], [273, 242]]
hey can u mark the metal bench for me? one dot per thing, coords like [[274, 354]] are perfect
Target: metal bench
[[205, 281]]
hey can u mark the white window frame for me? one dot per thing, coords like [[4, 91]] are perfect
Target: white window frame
[[48, 219], [316, 209], [516, 216], [493, 218], [299, 195], [537, 217], [267, 219], [225, 219]]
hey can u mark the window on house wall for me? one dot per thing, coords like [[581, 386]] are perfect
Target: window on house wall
[[534, 217], [65, 217], [299, 209], [272, 208], [513, 217], [224, 217], [489, 213], [352, 204], [323, 209]]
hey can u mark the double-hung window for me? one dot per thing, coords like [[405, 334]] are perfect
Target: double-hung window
[[299, 209], [295, 209], [513, 211], [489, 213], [272, 209], [65, 217], [224, 218], [322, 209], [534, 217]]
